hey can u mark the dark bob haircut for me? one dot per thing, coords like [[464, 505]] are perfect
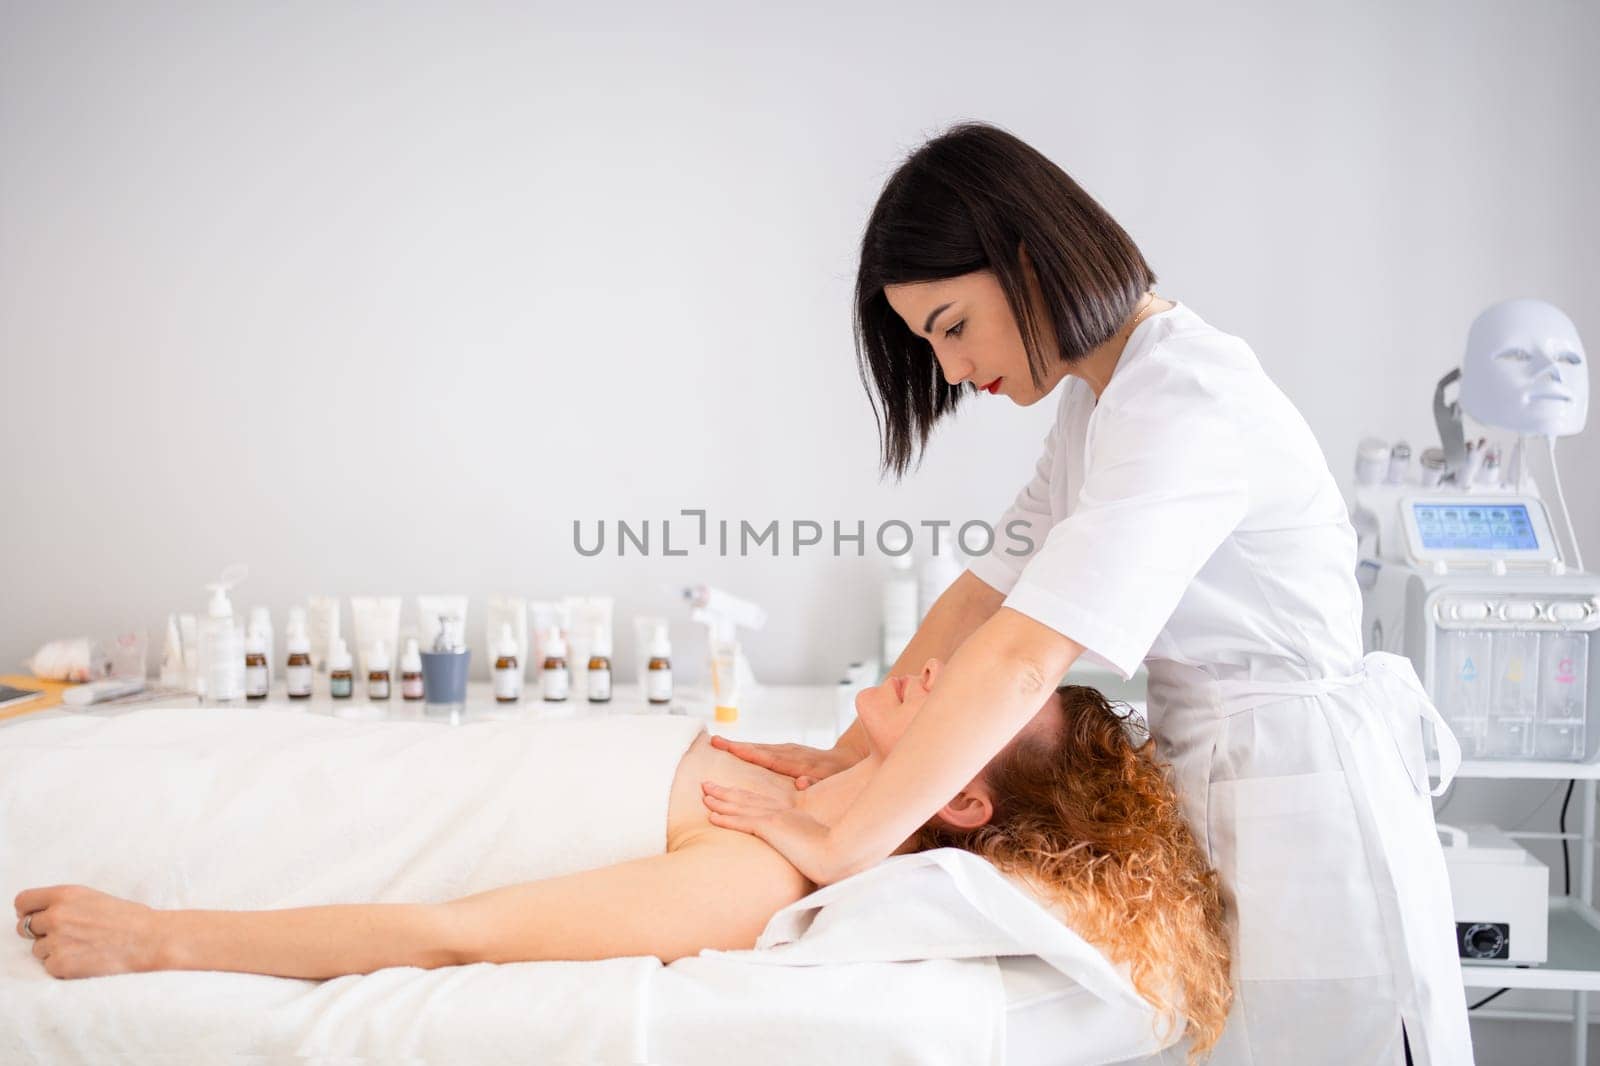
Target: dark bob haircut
[[969, 200]]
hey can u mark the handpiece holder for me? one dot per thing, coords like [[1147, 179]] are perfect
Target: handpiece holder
[[1452, 435]]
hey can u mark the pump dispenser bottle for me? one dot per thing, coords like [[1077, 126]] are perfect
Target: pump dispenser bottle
[[221, 649]]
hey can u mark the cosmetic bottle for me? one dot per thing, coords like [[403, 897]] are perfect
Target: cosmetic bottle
[[411, 671], [261, 622], [255, 666], [507, 670], [378, 672], [556, 679], [341, 673], [221, 649], [658, 672], [599, 686], [297, 669]]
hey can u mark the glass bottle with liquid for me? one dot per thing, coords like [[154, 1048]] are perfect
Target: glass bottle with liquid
[[555, 679], [507, 668], [341, 672], [256, 670], [411, 671], [658, 671], [297, 668], [378, 678], [599, 686]]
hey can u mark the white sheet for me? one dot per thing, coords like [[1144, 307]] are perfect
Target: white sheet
[[273, 807]]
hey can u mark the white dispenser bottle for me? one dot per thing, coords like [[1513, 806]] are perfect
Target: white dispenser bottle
[[221, 649]]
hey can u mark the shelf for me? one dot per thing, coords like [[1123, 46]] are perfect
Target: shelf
[[1522, 769], [807, 714], [1574, 963]]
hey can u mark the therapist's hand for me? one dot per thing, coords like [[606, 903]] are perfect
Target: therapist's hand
[[805, 764], [781, 822]]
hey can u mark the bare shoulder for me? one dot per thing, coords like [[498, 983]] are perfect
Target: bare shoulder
[[750, 858]]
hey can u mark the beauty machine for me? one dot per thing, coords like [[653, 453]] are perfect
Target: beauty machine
[[1461, 566]]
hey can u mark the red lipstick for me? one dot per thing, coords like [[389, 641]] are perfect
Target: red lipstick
[[993, 386]]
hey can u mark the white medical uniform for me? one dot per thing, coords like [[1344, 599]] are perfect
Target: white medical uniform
[[1188, 519]]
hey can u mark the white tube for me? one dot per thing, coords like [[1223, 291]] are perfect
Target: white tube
[[322, 629], [375, 618], [1561, 498]]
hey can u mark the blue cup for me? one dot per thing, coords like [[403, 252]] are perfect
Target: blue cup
[[444, 681]]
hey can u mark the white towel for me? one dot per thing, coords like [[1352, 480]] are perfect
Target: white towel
[[253, 808]]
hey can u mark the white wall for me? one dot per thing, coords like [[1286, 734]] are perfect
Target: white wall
[[380, 299]]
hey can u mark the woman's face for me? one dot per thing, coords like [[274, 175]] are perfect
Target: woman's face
[[886, 710], [975, 336]]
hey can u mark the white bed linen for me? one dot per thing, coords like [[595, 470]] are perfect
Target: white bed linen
[[272, 807], [182, 807]]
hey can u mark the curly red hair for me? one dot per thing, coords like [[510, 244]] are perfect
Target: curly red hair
[[1092, 823]]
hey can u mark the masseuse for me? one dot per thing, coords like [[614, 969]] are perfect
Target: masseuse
[[1181, 515]]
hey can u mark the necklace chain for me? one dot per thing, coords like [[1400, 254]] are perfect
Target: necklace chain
[[1140, 316]]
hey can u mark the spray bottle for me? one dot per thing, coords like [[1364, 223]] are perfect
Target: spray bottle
[[723, 615]]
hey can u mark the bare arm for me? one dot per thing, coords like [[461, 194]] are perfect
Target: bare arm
[[955, 615], [993, 684], [314, 942], [990, 688], [717, 891]]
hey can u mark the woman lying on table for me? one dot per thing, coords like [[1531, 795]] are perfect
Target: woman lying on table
[[1073, 806]]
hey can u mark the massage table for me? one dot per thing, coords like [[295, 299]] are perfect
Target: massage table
[[930, 958]]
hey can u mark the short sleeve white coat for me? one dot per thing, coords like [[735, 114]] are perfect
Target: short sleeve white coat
[[1188, 518], [1187, 515]]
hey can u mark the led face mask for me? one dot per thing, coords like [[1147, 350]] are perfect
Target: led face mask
[[1525, 370]]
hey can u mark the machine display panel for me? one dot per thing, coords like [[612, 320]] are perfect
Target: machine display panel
[[1467, 526]]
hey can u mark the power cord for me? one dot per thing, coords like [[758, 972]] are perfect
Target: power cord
[[1488, 999], [1566, 861]]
